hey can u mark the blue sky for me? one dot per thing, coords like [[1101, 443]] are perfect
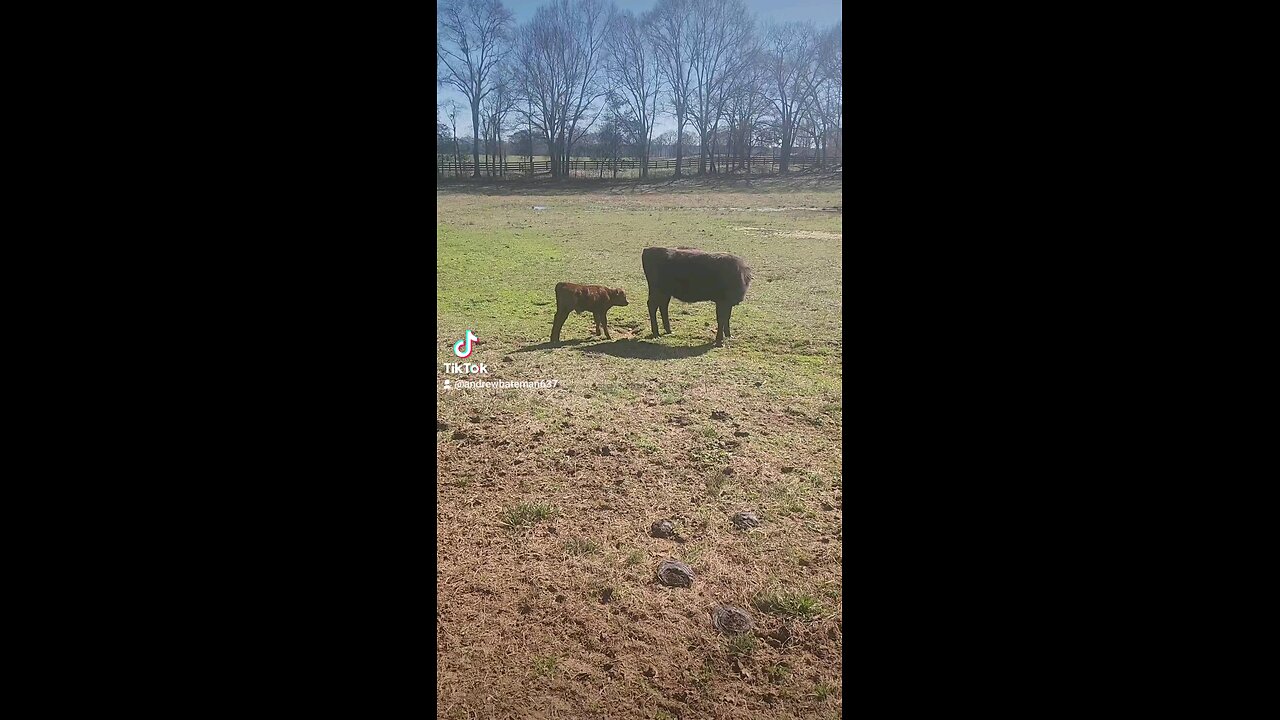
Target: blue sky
[[820, 12]]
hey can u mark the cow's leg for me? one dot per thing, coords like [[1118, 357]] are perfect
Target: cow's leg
[[603, 318], [728, 313], [666, 321], [653, 313], [558, 323], [719, 324], [596, 317]]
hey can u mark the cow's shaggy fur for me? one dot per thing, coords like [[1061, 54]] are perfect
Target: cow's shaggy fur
[[694, 276]]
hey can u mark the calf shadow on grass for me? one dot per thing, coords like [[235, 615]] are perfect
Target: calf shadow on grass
[[549, 345], [640, 350]]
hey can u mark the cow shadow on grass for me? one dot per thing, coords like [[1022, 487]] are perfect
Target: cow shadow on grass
[[641, 350]]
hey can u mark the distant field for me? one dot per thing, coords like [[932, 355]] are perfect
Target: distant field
[[547, 600]]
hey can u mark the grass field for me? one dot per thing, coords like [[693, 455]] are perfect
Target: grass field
[[548, 606]]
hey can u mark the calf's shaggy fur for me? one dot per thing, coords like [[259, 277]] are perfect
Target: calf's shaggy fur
[[595, 299], [694, 276]]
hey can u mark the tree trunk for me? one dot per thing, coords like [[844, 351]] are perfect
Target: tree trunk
[[475, 130], [679, 144], [702, 153]]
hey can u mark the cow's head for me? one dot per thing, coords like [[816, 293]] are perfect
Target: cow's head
[[617, 296]]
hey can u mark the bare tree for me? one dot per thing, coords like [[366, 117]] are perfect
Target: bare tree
[[473, 38], [719, 29], [588, 22], [561, 67], [791, 57], [451, 111], [833, 70], [632, 69], [671, 34], [825, 88], [748, 102], [495, 109]]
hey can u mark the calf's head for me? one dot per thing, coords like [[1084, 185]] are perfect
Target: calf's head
[[617, 296]]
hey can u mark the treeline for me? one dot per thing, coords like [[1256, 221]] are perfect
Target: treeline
[[584, 78]]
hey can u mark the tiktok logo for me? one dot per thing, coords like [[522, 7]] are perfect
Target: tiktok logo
[[461, 351]]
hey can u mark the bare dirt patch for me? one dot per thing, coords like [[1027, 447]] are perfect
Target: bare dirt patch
[[808, 234]]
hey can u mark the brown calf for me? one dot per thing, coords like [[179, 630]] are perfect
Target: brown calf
[[595, 299]]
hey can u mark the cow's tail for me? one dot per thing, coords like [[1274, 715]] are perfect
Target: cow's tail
[[648, 261], [746, 283]]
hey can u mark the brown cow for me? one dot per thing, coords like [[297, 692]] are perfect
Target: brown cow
[[595, 299]]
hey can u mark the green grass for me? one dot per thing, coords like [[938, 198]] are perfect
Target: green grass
[[526, 514], [716, 483], [498, 262], [633, 559], [580, 546], [789, 604], [544, 666], [692, 553], [741, 645]]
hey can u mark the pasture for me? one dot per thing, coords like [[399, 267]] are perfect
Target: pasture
[[547, 602]]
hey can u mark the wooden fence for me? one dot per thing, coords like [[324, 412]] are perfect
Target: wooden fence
[[625, 167]]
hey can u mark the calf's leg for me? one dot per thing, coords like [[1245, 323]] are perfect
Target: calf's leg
[[666, 321], [602, 319], [561, 314], [719, 324], [654, 302], [728, 313]]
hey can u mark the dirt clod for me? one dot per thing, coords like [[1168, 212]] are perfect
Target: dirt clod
[[719, 415], [744, 520], [781, 635], [662, 529], [570, 452], [507, 358], [606, 450], [441, 425], [459, 435], [674, 573], [740, 433], [731, 620], [788, 469]]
